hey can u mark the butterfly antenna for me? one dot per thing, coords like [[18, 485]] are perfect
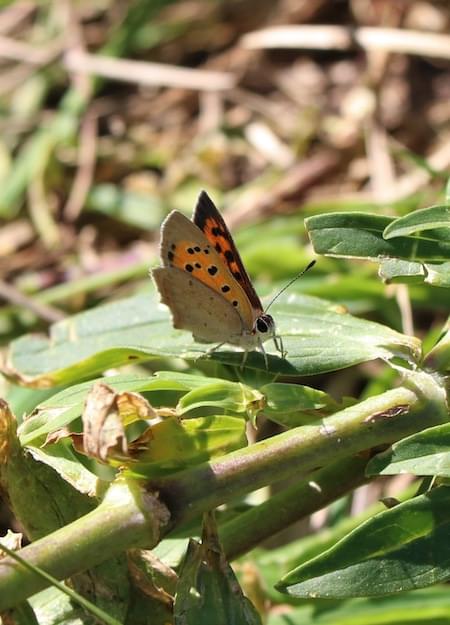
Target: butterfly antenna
[[286, 286]]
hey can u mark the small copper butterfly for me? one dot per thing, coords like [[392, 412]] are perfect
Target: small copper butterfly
[[204, 283]]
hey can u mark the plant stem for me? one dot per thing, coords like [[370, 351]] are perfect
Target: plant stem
[[376, 421], [290, 505], [126, 518]]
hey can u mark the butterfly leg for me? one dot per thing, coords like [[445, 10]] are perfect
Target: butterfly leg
[[211, 350], [278, 341], [244, 359], [263, 351]]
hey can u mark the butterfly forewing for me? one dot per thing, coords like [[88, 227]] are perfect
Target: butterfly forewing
[[209, 220], [185, 247]]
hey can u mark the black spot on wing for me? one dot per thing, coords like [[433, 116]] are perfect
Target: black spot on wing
[[212, 270], [205, 211], [189, 268]]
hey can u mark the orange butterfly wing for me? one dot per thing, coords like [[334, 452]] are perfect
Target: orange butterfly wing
[[210, 221], [184, 246]]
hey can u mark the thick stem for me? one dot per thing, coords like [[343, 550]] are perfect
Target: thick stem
[[376, 421], [293, 503], [126, 518]]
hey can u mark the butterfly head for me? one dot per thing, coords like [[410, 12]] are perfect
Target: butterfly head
[[264, 327]]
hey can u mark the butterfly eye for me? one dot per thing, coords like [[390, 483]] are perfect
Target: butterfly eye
[[265, 323], [261, 325]]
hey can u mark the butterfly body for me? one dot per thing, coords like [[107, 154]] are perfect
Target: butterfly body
[[203, 281]]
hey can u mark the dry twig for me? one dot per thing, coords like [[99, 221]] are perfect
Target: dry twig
[[145, 73], [342, 38]]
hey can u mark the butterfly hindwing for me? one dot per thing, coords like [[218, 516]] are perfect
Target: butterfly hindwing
[[196, 307], [209, 220], [185, 247]]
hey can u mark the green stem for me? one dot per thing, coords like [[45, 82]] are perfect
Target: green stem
[[126, 518], [249, 529], [376, 421]]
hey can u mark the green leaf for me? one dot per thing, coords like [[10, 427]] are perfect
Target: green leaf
[[61, 458], [23, 478], [278, 561], [403, 548], [228, 396], [208, 590], [63, 408], [176, 445], [438, 358], [424, 219], [421, 607], [318, 336], [395, 270], [293, 404], [360, 235], [438, 275], [425, 453]]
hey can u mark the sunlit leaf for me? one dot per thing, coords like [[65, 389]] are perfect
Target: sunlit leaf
[[360, 235], [208, 590], [395, 270], [174, 445], [64, 407], [294, 404], [438, 358], [421, 607], [403, 548], [424, 453], [423, 220], [318, 337]]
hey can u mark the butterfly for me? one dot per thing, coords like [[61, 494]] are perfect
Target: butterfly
[[205, 285]]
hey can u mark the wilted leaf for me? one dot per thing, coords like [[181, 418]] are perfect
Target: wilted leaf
[[103, 429]]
